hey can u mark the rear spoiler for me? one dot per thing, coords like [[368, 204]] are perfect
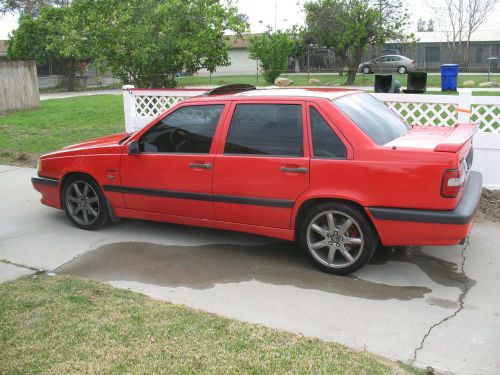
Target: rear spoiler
[[458, 137]]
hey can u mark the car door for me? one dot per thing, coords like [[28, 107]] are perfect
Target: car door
[[384, 64], [172, 173], [262, 163]]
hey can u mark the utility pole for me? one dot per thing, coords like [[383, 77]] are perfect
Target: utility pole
[[275, 14]]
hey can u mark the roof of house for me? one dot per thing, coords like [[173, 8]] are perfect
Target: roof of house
[[488, 35]]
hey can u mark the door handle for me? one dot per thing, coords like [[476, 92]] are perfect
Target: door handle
[[200, 165], [294, 170]]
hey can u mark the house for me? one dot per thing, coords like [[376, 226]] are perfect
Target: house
[[239, 58]]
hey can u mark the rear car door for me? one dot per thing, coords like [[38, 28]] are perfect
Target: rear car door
[[262, 164], [172, 173]]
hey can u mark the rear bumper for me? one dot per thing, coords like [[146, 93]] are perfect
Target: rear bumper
[[400, 226], [49, 188]]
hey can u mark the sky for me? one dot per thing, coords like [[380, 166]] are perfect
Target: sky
[[287, 13]]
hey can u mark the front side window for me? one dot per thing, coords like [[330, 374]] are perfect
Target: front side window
[[266, 129], [373, 117], [326, 144], [189, 129]]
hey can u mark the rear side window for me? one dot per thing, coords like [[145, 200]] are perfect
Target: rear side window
[[266, 129], [326, 144], [189, 129], [379, 122]]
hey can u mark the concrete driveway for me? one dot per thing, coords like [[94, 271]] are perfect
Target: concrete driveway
[[438, 307]]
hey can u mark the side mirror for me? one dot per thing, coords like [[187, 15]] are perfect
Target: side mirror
[[133, 148]]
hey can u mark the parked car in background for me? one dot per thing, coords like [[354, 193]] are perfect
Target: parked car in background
[[335, 170], [388, 64]]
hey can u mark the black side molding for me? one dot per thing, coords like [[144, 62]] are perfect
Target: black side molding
[[45, 181], [462, 214], [268, 202]]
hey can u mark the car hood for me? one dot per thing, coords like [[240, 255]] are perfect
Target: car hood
[[109, 140], [108, 143]]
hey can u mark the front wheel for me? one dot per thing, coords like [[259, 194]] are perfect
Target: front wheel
[[337, 237], [366, 70], [84, 203]]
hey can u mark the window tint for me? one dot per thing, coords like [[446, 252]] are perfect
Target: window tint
[[187, 130], [326, 144], [380, 123], [266, 129]]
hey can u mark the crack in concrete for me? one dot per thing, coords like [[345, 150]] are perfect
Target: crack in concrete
[[461, 298], [5, 261]]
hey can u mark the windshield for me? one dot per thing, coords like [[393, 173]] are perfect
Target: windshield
[[378, 122]]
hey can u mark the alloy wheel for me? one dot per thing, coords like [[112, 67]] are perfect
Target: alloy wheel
[[335, 239], [82, 202]]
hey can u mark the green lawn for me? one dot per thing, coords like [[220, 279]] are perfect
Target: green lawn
[[58, 123], [64, 324], [302, 80]]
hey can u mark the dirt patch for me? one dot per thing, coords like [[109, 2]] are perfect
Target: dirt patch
[[21, 159], [490, 205]]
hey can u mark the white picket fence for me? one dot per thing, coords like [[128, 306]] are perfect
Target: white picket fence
[[143, 105]]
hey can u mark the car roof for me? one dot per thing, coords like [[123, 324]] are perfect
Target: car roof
[[283, 93]]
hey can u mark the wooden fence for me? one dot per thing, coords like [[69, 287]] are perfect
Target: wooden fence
[[18, 86]]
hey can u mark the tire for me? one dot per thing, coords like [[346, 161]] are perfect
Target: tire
[[402, 70], [366, 70], [316, 229], [84, 203]]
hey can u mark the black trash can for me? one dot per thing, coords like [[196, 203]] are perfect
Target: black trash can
[[386, 83], [416, 83]]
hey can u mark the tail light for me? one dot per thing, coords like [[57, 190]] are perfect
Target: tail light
[[453, 180], [414, 63]]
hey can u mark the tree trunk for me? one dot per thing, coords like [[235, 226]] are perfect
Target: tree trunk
[[353, 65], [297, 67], [352, 76], [70, 75]]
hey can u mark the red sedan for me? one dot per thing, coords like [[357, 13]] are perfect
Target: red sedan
[[335, 170]]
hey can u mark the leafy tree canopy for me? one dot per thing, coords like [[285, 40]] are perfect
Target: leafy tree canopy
[[349, 26], [50, 38], [29, 7], [272, 49], [149, 41]]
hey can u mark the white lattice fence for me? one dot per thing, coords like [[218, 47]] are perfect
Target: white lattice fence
[[50, 81], [142, 106]]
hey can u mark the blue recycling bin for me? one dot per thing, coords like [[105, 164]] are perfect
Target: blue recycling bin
[[449, 77]]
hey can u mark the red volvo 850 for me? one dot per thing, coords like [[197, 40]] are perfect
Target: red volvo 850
[[335, 170]]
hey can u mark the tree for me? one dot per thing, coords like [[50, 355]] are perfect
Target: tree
[[29, 7], [149, 41], [421, 25], [430, 25], [459, 19], [50, 38], [349, 26], [299, 40], [272, 49]]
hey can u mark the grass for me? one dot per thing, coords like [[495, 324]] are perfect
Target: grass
[[57, 123], [63, 324], [302, 80]]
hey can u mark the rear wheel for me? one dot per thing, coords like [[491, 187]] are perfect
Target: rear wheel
[[337, 237], [402, 70], [366, 70], [84, 203]]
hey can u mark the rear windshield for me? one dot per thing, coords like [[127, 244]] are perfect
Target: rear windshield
[[379, 122]]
